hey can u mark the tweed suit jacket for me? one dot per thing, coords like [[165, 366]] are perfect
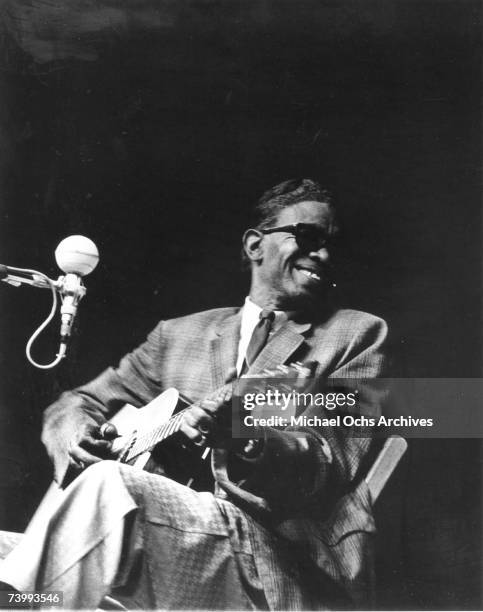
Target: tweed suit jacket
[[299, 498]]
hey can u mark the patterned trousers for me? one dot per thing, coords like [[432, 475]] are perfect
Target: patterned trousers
[[148, 541]]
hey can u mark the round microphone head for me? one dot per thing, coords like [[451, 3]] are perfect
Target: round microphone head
[[77, 255]]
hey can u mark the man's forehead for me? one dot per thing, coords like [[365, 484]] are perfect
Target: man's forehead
[[318, 213]]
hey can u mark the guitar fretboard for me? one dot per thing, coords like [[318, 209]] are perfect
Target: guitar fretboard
[[147, 441]]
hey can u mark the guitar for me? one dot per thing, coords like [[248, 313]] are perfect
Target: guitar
[[148, 438], [144, 432]]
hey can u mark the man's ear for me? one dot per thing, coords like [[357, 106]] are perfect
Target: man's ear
[[253, 245]]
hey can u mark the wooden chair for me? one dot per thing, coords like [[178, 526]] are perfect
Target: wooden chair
[[384, 465]]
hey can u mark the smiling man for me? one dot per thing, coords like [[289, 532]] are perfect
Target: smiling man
[[289, 250], [285, 521]]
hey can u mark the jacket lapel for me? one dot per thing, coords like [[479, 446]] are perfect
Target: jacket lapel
[[224, 348], [281, 346]]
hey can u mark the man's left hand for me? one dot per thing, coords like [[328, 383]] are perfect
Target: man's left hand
[[207, 423]]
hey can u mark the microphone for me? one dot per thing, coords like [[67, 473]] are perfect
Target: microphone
[[77, 256]]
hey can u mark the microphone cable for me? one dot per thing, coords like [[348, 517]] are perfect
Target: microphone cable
[[28, 349]]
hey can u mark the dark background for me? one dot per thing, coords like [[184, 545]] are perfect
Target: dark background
[[152, 127]]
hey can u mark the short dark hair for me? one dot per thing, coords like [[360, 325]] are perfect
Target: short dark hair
[[288, 193], [285, 194]]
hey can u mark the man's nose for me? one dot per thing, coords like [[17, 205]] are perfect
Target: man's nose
[[321, 255]]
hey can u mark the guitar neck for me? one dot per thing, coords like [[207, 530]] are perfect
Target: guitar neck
[[146, 442]]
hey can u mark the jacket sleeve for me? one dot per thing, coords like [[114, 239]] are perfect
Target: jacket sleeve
[[134, 381], [298, 463]]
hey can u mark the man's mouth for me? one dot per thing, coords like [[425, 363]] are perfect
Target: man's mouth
[[309, 273]]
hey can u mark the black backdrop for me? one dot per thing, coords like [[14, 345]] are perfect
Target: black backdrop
[[151, 127]]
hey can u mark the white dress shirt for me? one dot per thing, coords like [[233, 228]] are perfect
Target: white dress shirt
[[250, 319]]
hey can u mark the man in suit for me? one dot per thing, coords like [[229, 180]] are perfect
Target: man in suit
[[288, 523]]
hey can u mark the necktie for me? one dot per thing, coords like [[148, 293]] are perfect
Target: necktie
[[259, 336]]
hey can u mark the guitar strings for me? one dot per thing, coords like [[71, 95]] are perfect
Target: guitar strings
[[148, 441]]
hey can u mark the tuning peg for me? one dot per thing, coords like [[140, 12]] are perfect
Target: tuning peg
[[283, 368], [306, 369], [268, 373]]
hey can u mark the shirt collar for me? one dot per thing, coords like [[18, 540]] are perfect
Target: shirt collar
[[251, 312], [250, 316]]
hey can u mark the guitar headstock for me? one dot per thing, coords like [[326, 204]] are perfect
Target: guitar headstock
[[296, 369], [294, 376]]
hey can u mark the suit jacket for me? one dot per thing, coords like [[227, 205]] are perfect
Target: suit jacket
[[301, 503]]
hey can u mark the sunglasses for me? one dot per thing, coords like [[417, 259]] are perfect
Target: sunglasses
[[308, 237]]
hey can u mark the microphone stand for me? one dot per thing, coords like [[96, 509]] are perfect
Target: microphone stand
[[23, 276]]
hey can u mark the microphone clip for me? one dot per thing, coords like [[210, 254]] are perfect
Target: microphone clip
[[72, 290]]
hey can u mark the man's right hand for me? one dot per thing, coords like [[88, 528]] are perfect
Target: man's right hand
[[89, 446]]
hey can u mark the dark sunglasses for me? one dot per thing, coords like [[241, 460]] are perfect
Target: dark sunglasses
[[308, 237]]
